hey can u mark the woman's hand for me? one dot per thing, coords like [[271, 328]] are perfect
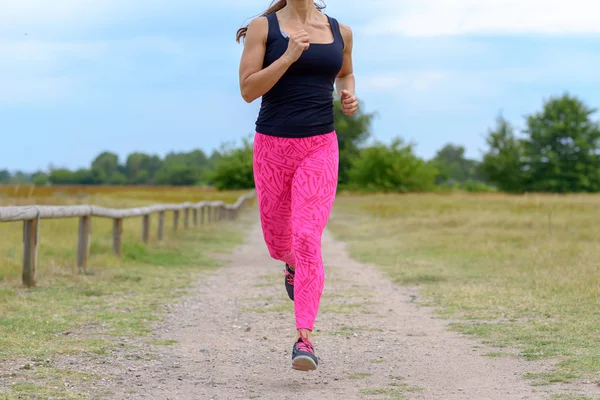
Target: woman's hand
[[298, 44], [349, 103]]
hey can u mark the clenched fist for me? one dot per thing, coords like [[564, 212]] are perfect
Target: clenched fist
[[349, 103], [298, 43]]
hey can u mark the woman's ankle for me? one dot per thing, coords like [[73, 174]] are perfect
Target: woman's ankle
[[304, 334]]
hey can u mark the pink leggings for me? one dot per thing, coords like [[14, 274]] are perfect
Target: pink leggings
[[296, 182]]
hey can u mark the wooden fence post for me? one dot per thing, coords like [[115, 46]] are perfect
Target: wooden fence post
[[202, 215], [146, 228], [83, 249], [195, 215], [175, 220], [161, 226], [30, 242], [118, 236], [186, 218]]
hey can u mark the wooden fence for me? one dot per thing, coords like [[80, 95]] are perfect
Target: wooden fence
[[203, 212]]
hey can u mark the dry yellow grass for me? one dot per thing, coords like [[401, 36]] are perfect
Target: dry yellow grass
[[522, 271], [58, 238]]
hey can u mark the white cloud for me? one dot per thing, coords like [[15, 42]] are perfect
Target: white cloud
[[381, 17], [419, 18], [451, 90]]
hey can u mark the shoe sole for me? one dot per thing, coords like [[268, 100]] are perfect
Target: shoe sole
[[304, 363]]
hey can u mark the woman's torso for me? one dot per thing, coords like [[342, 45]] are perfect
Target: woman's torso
[[300, 104]]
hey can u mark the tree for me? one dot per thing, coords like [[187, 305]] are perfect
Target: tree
[[40, 178], [393, 168], [454, 167], [502, 163], [140, 168], [104, 167], [62, 176], [84, 176], [196, 161], [4, 176], [234, 167], [562, 150], [177, 174], [352, 132], [20, 177]]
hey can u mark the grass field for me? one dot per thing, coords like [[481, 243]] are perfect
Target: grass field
[[70, 314], [522, 272], [58, 238]]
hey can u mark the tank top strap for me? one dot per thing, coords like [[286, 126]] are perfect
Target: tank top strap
[[273, 27], [335, 27]]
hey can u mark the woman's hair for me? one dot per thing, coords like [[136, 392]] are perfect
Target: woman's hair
[[276, 5]]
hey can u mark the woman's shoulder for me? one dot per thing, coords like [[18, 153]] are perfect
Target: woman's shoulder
[[345, 30], [259, 23], [259, 28]]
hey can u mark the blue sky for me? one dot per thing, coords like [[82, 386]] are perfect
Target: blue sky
[[80, 77]]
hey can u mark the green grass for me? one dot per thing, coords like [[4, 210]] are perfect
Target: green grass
[[44, 381], [395, 390], [518, 271], [72, 314], [391, 393], [165, 342], [118, 300], [57, 249], [548, 378]]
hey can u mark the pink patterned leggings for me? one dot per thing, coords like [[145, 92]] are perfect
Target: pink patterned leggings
[[296, 183]]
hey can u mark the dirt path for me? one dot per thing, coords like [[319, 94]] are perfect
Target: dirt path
[[234, 337]]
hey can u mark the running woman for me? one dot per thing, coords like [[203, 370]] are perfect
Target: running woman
[[293, 54]]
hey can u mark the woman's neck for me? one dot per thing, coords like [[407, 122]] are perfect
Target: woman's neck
[[303, 10]]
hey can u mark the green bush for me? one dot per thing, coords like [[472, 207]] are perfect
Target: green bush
[[393, 168], [233, 168], [477, 186]]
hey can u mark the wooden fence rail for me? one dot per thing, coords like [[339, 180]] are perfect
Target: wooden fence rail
[[31, 216]]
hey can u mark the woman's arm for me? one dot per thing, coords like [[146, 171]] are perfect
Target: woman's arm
[[254, 80], [345, 82]]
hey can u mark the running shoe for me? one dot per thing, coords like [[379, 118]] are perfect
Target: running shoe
[[289, 281], [303, 356]]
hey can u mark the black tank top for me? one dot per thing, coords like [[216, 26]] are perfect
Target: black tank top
[[301, 102]]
